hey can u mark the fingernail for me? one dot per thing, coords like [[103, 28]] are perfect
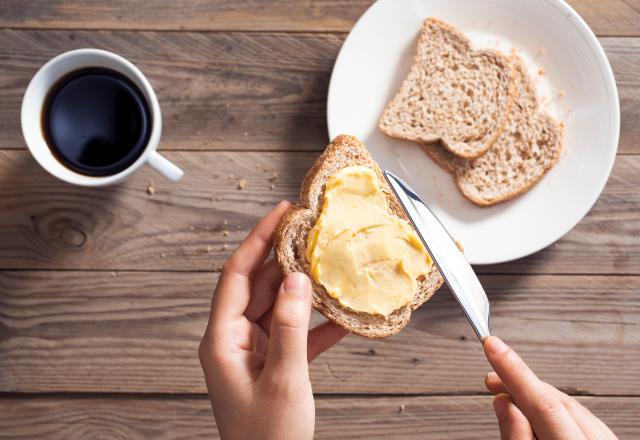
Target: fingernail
[[296, 283], [501, 406], [495, 346]]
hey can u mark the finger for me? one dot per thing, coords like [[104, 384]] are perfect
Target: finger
[[263, 291], [513, 424], [289, 326], [233, 290], [549, 418], [259, 340], [494, 384], [591, 426], [265, 321], [322, 338]]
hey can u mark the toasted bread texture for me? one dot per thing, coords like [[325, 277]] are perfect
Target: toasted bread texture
[[452, 94], [529, 146], [290, 242]]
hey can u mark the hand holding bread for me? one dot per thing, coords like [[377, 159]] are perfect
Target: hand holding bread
[[257, 345]]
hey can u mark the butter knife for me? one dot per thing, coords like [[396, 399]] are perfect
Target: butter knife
[[449, 259]]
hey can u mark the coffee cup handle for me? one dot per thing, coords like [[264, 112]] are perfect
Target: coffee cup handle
[[162, 165]]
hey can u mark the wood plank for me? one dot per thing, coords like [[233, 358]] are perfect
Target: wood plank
[[624, 56], [195, 224], [606, 17], [438, 417], [222, 91], [138, 332]]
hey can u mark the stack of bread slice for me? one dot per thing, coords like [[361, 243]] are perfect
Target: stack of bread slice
[[476, 114]]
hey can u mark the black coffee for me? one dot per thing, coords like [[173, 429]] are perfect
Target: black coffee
[[96, 121]]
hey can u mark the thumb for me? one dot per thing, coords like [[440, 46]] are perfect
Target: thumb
[[290, 324]]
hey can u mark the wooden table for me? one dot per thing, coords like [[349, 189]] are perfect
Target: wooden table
[[104, 293]]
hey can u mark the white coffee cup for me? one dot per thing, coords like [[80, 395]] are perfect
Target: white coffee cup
[[48, 76]]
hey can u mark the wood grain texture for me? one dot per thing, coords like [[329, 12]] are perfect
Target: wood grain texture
[[196, 223], [67, 331], [624, 56], [606, 17], [232, 91], [450, 418]]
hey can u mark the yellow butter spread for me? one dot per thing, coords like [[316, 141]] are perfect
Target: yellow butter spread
[[364, 256]]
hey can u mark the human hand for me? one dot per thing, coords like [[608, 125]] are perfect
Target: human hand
[[257, 345], [525, 406]]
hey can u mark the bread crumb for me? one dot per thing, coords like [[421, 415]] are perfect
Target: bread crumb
[[225, 222], [225, 233], [245, 134], [208, 249], [225, 247], [272, 187], [541, 71], [220, 138], [401, 408], [242, 183], [231, 176], [561, 93], [274, 176], [459, 245], [163, 255], [226, 105], [113, 273], [542, 50], [151, 190]]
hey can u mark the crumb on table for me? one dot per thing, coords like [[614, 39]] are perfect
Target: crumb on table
[[242, 183]]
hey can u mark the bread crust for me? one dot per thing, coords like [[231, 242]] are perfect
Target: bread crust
[[290, 240]]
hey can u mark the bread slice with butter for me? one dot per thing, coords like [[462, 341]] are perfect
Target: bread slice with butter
[[357, 292]]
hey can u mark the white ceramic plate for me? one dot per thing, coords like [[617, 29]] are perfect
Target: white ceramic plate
[[549, 35]]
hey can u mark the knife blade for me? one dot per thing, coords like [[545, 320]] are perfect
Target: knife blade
[[450, 260]]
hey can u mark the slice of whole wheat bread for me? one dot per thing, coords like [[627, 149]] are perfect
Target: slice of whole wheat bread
[[290, 241], [529, 146], [452, 94]]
